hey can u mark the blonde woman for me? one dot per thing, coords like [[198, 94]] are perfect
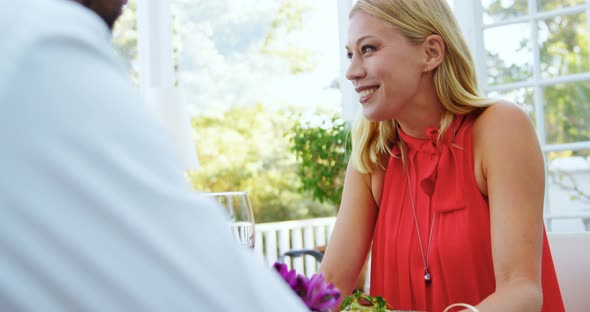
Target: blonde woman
[[447, 186]]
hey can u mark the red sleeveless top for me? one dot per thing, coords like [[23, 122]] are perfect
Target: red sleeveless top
[[460, 252]]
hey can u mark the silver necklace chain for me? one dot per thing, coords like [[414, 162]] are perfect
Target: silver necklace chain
[[427, 276]]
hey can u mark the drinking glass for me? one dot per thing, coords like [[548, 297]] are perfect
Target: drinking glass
[[241, 218]]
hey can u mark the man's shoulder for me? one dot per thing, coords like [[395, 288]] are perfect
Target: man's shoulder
[[25, 24], [33, 30], [50, 16]]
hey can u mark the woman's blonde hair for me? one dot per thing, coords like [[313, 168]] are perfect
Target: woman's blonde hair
[[454, 79]]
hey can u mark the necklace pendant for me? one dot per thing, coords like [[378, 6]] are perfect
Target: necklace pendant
[[427, 278]]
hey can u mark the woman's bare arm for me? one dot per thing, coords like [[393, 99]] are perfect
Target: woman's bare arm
[[351, 238], [511, 165]]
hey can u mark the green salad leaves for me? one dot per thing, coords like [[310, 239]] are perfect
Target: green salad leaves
[[362, 302]]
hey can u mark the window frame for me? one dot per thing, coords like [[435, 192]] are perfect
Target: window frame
[[157, 78]]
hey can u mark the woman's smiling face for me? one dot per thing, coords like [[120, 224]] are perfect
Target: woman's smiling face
[[385, 68]]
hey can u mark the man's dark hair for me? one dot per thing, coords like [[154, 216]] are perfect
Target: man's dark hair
[[108, 10]]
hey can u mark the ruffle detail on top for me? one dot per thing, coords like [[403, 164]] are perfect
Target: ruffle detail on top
[[437, 182]]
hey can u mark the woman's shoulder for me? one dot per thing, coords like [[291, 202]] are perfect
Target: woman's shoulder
[[503, 128], [501, 132], [502, 117]]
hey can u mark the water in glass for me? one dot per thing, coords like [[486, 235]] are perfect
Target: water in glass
[[241, 218]]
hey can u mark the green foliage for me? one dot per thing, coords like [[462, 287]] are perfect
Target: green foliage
[[568, 113], [125, 37], [502, 10], [323, 152], [359, 301], [546, 5], [245, 149], [288, 20]]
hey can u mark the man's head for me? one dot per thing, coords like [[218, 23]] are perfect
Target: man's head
[[108, 10]]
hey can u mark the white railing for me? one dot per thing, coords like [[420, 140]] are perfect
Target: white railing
[[274, 239]]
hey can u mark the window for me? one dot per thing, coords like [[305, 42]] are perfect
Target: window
[[235, 53], [245, 69], [535, 54]]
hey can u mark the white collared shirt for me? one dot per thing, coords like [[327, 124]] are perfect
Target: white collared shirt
[[95, 214]]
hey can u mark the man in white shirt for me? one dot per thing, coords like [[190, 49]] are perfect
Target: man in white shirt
[[95, 214]]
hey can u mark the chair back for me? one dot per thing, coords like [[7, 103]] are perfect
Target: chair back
[[318, 256], [571, 256]]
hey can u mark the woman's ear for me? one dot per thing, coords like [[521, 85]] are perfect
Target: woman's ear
[[434, 46]]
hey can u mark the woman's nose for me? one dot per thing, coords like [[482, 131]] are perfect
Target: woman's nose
[[355, 70]]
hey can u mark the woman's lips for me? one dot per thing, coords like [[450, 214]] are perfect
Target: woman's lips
[[366, 94]]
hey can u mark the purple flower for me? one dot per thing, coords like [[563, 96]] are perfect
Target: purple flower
[[320, 295], [315, 292], [290, 276]]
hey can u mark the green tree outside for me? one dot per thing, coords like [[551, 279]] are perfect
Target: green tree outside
[[322, 152], [247, 149]]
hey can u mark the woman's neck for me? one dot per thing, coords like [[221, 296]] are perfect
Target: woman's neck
[[419, 118]]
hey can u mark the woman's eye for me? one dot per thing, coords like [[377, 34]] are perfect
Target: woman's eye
[[364, 50], [368, 49]]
